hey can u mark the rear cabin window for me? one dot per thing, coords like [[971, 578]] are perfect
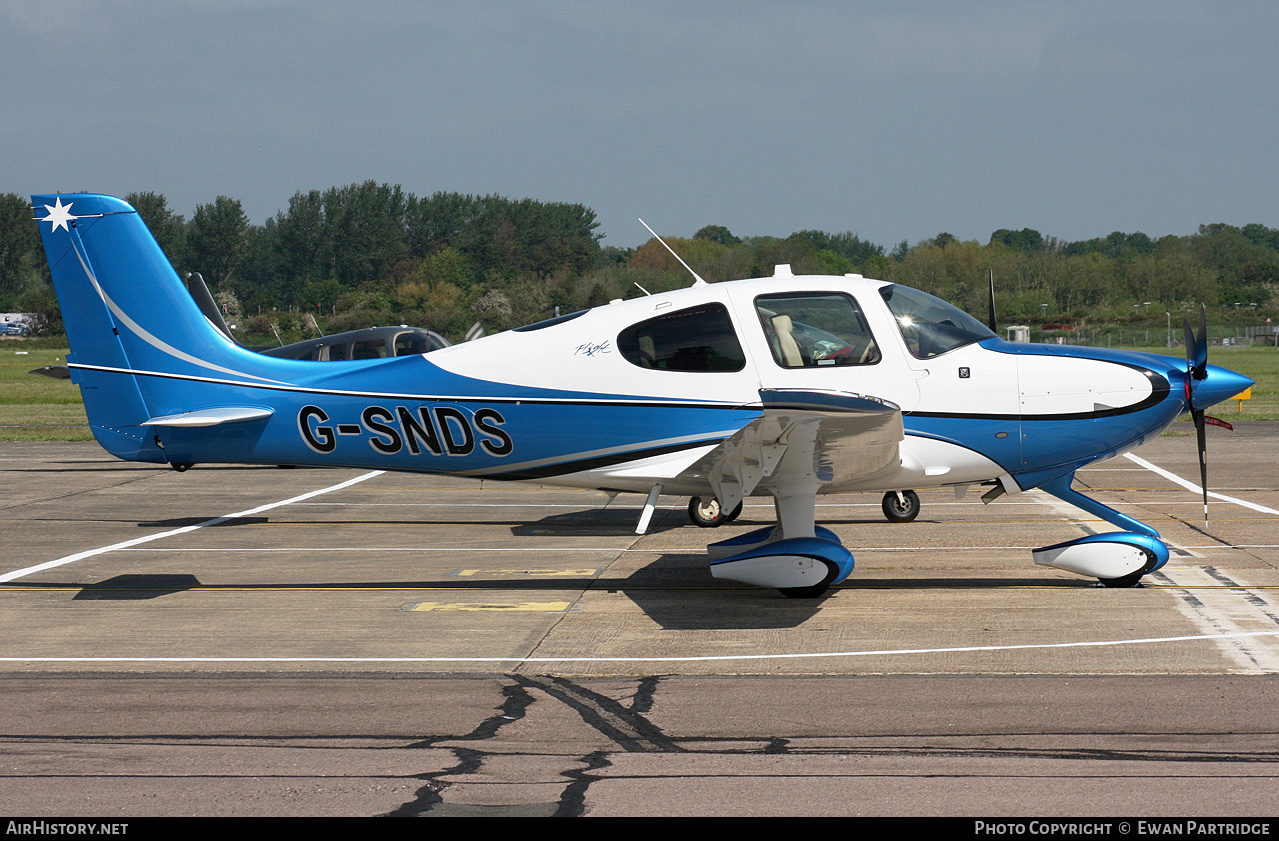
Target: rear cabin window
[[697, 339], [815, 330], [369, 349]]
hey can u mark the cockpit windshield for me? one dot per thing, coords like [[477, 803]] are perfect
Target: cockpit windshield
[[929, 325]]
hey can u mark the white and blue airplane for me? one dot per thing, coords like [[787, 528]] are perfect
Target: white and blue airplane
[[785, 386]]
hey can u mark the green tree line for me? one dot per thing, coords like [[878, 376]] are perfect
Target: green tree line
[[367, 254]]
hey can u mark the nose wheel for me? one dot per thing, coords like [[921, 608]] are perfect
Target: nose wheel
[[708, 514], [1133, 580], [901, 506]]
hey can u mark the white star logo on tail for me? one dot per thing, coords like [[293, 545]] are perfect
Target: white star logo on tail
[[59, 214]]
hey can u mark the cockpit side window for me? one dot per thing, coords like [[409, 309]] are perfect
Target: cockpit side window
[[411, 344], [929, 325], [696, 339], [816, 329]]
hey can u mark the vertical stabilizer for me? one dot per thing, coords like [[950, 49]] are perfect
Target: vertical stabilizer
[[138, 340]]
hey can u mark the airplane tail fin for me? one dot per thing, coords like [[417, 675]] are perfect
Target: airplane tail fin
[[139, 342]]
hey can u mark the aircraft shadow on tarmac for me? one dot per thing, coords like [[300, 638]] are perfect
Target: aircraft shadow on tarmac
[[674, 590], [595, 521], [182, 522], [592, 522], [621, 521], [137, 587]]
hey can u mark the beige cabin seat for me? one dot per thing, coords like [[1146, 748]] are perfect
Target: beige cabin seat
[[786, 344]]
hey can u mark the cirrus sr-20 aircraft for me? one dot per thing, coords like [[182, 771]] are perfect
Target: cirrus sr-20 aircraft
[[785, 386]]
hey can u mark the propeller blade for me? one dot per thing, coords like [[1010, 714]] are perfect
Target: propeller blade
[[1196, 371], [1201, 438], [1190, 349], [1201, 346]]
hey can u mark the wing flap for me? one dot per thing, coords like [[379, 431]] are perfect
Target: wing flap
[[805, 438]]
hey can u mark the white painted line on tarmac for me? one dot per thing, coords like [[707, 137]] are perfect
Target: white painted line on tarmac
[[1191, 486], [890, 652], [1207, 597], [232, 550], [873, 505], [1212, 602], [654, 550], [578, 506], [128, 544]]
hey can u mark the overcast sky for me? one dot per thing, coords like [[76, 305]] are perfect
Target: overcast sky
[[895, 120]]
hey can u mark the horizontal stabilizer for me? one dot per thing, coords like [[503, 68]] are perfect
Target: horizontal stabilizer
[[212, 417], [54, 372]]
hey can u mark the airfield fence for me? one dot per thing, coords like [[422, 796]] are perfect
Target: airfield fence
[[1264, 335]]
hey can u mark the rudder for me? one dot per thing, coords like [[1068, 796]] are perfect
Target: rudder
[[127, 316]]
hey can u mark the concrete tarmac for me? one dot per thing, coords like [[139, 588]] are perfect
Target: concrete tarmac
[[279, 610]]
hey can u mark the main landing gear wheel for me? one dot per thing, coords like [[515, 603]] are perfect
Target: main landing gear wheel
[[901, 510], [804, 592], [706, 512], [815, 590]]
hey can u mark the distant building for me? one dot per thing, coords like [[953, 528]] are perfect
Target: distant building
[[15, 323]]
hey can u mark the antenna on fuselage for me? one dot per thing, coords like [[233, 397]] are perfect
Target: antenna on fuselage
[[697, 279], [993, 328]]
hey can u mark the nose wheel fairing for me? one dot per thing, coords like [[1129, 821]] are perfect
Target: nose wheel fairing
[[1116, 559]]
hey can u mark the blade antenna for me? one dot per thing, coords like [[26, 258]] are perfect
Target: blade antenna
[[993, 328], [697, 279]]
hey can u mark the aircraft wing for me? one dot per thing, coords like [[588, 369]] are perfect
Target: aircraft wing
[[805, 439]]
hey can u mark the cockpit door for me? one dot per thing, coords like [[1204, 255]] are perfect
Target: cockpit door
[[823, 334]]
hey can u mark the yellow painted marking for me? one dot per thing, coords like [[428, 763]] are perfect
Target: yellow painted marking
[[536, 607], [547, 573]]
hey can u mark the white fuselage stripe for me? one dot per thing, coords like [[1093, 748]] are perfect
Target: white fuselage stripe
[[142, 332], [378, 395]]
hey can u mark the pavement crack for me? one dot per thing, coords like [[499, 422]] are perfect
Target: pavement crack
[[428, 796], [644, 694], [516, 702], [573, 801], [626, 727]]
